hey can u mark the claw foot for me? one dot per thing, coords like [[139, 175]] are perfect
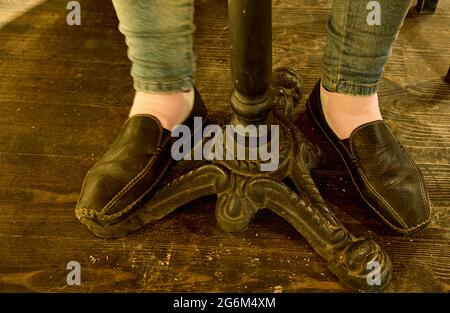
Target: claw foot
[[362, 265]]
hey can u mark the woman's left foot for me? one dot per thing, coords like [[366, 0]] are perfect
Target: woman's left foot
[[386, 177]]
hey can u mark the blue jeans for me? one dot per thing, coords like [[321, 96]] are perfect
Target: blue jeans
[[159, 35]]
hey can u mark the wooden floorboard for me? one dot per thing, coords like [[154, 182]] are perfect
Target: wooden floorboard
[[65, 91]]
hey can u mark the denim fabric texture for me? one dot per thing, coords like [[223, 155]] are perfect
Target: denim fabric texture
[[159, 35]]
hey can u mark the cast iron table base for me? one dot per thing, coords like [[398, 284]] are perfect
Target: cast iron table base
[[242, 190]]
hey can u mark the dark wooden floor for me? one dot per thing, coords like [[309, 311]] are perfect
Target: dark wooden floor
[[64, 93]]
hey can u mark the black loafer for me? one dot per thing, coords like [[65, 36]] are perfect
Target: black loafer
[[384, 174], [125, 177]]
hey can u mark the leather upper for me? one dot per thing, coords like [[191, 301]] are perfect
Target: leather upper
[[390, 178], [125, 177], [383, 172], [125, 170]]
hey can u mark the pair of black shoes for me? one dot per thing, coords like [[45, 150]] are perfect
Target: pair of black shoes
[[125, 177]]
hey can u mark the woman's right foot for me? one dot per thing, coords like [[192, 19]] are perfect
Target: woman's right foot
[[125, 177]]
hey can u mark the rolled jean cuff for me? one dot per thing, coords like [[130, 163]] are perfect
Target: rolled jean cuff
[[159, 36], [184, 84], [348, 87]]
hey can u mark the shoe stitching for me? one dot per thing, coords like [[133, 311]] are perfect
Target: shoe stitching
[[375, 192], [140, 175], [401, 230], [131, 183], [136, 179], [103, 217], [421, 179], [107, 218]]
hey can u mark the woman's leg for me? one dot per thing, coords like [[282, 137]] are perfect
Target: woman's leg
[[359, 42], [345, 107], [159, 35]]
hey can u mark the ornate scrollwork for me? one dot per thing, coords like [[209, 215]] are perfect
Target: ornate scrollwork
[[242, 189]]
